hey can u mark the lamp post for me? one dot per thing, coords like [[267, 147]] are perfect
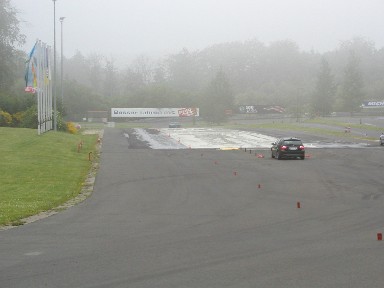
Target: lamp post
[[54, 67], [62, 65]]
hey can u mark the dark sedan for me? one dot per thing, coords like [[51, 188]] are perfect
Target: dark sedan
[[288, 148]]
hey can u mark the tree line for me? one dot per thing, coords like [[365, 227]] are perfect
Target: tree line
[[252, 72], [214, 79]]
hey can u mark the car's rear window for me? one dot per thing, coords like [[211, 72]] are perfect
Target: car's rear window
[[294, 142]]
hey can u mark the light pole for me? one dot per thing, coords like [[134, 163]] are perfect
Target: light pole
[[54, 67], [62, 65]]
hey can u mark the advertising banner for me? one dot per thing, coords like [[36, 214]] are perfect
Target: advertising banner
[[260, 109], [154, 112], [373, 104]]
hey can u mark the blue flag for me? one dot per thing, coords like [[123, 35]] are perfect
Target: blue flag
[[30, 72]]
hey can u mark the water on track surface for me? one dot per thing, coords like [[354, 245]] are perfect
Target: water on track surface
[[214, 138]]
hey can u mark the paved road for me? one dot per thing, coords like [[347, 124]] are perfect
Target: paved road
[[197, 218]]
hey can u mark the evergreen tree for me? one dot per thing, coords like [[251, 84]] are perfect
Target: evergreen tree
[[324, 94], [218, 99], [9, 37], [352, 85], [111, 81]]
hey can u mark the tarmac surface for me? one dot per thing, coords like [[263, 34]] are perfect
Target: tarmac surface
[[211, 218]]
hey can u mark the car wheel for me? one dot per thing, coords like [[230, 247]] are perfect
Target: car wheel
[[302, 157]]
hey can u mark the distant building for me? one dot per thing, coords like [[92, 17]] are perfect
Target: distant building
[[97, 116]]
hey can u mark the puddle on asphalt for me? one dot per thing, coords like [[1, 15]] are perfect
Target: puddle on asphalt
[[213, 138], [336, 145]]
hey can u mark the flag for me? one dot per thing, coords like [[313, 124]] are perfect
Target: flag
[[47, 70], [37, 81], [30, 71]]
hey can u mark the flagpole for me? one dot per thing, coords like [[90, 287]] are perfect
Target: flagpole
[[62, 66], [50, 100], [54, 66], [38, 90]]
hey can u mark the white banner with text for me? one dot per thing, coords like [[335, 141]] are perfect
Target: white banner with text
[[154, 112]]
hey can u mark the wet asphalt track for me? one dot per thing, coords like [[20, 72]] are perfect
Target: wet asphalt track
[[197, 218]]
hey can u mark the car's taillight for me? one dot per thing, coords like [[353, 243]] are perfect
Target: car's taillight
[[301, 147], [283, 148]]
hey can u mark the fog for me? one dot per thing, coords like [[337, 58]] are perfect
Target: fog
[[125, 29]]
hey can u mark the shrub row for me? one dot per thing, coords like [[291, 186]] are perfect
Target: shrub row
[[29, 119]]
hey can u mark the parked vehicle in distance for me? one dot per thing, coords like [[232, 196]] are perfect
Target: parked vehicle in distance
[[289, 147], [174, 125], [381, 141]]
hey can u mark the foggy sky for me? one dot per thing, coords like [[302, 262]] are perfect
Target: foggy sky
[[125, 29]]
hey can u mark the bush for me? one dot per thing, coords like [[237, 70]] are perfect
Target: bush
[[29, 118], [5, 118], [71, 128], [61, 124], [17, 118]]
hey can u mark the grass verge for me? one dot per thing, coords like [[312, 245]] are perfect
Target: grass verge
[[39, 173]]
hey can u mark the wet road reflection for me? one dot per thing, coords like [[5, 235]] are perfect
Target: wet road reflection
[[219, 138]]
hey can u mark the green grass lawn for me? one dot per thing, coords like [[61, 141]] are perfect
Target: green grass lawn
[[39, 173]]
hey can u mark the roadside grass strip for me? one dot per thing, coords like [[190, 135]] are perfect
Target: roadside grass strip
[[39, 173]]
